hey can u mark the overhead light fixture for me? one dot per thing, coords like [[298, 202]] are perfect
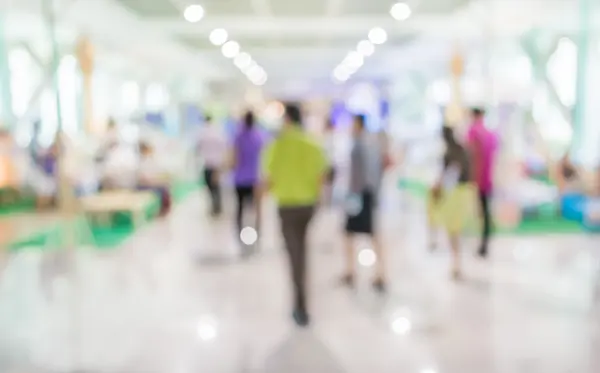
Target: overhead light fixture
[[260, 81], [400, 11], [193, 13], [230, 49], [255, 73], [365, 48], [343, 70], [218, 36], [354, 60], [340, 75], [377, 36], [243, 61]]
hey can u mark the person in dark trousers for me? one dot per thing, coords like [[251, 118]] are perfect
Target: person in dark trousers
[[247, 148], [294, 170], [212, 147], [482, 145], [366, 171]]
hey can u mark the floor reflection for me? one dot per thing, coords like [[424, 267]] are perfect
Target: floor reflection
[[302, 352], [158, 306]]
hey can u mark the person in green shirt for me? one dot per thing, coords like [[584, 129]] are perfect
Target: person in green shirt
[[294, 168]]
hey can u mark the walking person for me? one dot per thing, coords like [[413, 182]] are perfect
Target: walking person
[[453, 194], [366, 171], [212, 147], [329, 144], [247, 147], [482, 147], [294, 168]]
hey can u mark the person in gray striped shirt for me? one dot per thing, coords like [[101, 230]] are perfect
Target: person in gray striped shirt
[[366, 172]]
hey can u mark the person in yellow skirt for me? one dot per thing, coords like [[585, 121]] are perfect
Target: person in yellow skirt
[[451, 199]]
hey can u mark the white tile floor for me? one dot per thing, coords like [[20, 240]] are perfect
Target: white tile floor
[[175, 299]]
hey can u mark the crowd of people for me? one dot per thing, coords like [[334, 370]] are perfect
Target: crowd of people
[[298, 173]]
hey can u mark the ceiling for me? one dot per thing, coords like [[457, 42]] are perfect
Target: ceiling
[[298, 43], [292, 40], [305, 40]]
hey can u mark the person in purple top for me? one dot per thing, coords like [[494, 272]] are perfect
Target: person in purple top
[[247, 147]]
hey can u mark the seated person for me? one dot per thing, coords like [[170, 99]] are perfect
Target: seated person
[[569, 177], [118, 167], [150, 176], [43, 177]]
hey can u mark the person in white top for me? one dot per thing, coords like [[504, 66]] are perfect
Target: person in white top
[[212, 148]]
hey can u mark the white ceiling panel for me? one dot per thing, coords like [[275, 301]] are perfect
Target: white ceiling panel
[[228, 7], [151, 8], [304, 8]]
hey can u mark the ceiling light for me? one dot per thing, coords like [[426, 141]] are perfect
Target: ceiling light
[[365, 48], [260, 81], [340, 77], [400, 11], [252, 66], [343, 70], [243, 61], [230, 49], [377, 35], [218, 36], [354, 60], [255, 73], [193, 13], [340, 74]]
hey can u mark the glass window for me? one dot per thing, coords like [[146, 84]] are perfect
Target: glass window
[[156, 97], [130, 98], [562, 71], [25, 76], [68, 86], [100, 97]]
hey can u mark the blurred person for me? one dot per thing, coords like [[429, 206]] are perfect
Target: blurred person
[[569, 178], [294, 168], [151, 176], [386, 148], [212, 147], [110, 139], [45, 175], [330, 151], [452, 195], [386, 157], [366, 170], [482, 145], [247, 147]]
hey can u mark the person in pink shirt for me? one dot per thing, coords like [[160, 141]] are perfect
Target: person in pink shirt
[[482, 146]]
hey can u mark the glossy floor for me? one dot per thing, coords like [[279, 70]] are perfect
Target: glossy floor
[[176, 299]]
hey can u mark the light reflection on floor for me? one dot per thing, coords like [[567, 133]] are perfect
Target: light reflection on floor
[[161, 305]]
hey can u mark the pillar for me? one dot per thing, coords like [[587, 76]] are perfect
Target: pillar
[[65, 194], [454, 112], [85, 57], [583, 52], [7, 119]]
